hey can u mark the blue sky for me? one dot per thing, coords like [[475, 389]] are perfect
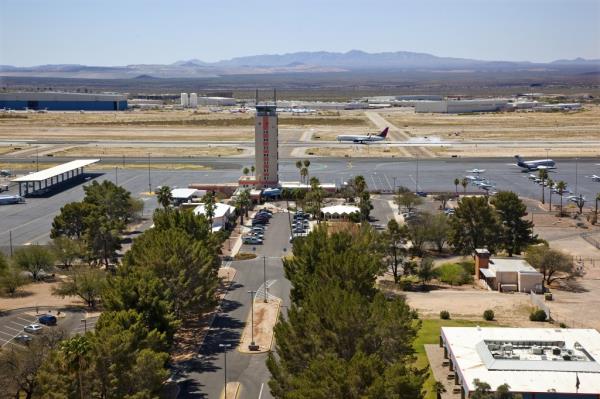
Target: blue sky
[[109, 32]]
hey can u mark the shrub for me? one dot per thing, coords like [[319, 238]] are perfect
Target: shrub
[[453, 274], [445, 315], [563, 325], [537, 315], [244, 256], [488, 315]]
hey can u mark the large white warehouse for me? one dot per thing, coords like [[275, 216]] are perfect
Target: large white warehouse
[[460, 106]]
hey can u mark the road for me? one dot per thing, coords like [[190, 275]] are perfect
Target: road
[[205, 375], [31, 222]]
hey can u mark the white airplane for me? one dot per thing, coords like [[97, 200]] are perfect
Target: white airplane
[[594, 177], [362, 138], [532, 176], [474, 178], [537, 164], [476, 171], [575, 198]]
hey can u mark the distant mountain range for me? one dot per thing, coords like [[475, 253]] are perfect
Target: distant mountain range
[[300, 62]]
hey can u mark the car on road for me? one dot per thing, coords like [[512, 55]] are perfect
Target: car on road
[[47, 319], [33, 328], [23, 338], [252, 240]]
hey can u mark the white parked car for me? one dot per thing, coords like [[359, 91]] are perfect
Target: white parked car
[[33, 328]]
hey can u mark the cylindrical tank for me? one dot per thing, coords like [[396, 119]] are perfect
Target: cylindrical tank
[[185, 102], [193, 100]]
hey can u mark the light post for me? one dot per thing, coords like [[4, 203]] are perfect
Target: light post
[[225, 348], [576, 173], [394, 189], [265, 278], [417, 175], [149, 184], [547, 150], [252, 346]]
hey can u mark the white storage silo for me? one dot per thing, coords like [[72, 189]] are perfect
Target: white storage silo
[[184, 100], [193, 100]]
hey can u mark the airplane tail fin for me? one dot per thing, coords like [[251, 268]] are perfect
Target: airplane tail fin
[[518, 157], [384, 132]]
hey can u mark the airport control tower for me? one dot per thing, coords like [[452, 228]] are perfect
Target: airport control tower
[[266, 145]]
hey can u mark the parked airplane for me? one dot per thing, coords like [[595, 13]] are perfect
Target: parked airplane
[[575, 198], [362, 138], [536, 164], [473, 178], [476, 171], [5, 173]]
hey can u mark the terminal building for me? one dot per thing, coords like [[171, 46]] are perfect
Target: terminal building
[[57, 101], [538, 363], [460, 106]]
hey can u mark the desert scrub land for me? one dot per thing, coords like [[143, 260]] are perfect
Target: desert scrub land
[[577, 125]]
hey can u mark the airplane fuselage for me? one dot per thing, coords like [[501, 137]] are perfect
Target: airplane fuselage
[[360, 139]]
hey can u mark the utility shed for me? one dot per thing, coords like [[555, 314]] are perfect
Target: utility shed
[[507, 274]]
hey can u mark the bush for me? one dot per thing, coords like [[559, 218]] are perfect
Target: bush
[[454, 274], [537, 315], [488, 315], [445, 315], [563, 325], [244, 256]]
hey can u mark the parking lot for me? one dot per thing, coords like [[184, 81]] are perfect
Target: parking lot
[[12, 324]]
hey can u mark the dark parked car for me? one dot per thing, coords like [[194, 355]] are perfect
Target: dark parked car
[[47, 319]]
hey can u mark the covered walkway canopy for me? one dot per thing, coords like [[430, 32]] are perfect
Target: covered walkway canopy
[[42, 181]]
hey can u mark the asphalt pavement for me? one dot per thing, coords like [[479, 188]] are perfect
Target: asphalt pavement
[[205, 376], [31, 222]]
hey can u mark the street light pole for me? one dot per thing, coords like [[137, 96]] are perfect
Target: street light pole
[[225, 347], [576, 173], [394, 189], [149, 184], [265, 278], [252, 345], [417, 175]]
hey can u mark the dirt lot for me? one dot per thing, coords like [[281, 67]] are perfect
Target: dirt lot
[[265, 317], [96, 151], [582, 125], [359, 151], [37, 294]]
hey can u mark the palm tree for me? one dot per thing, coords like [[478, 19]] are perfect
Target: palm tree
[[209, 206], [252, 169], [596, 210], [299, 166], [543, 174], [303, 174], [306, 164], [456, 183], [464, 183], [439, 389], [245, 171], [76, 351], [550, 184], [242, 202], [561, 186], [164, 196]]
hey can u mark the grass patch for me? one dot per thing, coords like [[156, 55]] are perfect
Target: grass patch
[[458, 273], [430, 334], [244, 256]]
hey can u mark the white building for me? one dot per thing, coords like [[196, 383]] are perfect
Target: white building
[[216, 101], [185, 101], [460, 106], [539, 363], [507, 274], [181, 195], [193, 100], [223, 214]]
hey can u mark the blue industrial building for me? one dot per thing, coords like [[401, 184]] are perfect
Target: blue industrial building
[[56, 101]]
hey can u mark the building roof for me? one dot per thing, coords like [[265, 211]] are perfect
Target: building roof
[[55, 171], [220, 209], [184, 193], [340, 209], [510, 265], [60, 96], [507, 356]]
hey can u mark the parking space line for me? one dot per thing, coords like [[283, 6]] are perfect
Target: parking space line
[[25, 320], [5, 333], [10, 328]]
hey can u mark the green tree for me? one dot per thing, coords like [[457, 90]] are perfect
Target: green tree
[[11, 279], [210, 204], [464, 183], [407, 199], [456, 183], [113, 201], [103, 238], [365, 205], [76, 352], [438, 230], [243, 203], [418, 232], [245, 171], [550, 184], [66, 250], [443, 198], [34, 259], [516, 233], [85, 282], [195, 226], [71, 221], [597, 200], [3, 263], [314, 198], [553, 264], [473, 225], [425, 271], [543, 175], [164, 196], [303, 174], [561, 188], [19, 365], [252, 169], [393, 241], [299, 167]]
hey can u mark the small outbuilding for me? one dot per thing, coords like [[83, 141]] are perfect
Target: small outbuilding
[[181, 195], [222, 217], [507, 274]]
